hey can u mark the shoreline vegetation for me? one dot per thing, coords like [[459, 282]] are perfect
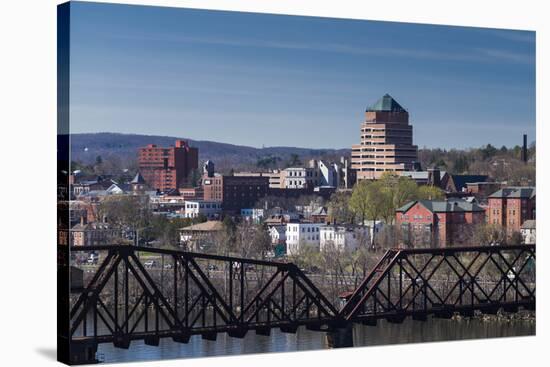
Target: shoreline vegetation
[[520, 316]]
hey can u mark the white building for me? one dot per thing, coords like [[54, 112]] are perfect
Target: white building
[[210, 209], [277, 234], [253, 215], [302, 234], [343, 238], [329, 174], [114, 189], [529, 232], [300, 177]]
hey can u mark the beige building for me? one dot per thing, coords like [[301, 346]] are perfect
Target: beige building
[[386, 141]]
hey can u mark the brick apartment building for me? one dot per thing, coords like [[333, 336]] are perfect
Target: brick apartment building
[[212, 187], [167, 168], [242, 192], [438, 223], [510, 207], [386, 141]]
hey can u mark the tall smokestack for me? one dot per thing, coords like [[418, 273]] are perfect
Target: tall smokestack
[[524, 149]]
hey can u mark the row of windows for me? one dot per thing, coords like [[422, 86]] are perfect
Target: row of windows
[[202, 206], [309, 238], [329, 236], [309, 229], [235, 188], [379, 170], [418, 217], [302, 173]]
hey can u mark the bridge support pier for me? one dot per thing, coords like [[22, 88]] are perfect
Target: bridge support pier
[[83, 353], [341, 337]]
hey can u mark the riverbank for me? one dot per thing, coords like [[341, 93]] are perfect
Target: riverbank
[[523, 316]]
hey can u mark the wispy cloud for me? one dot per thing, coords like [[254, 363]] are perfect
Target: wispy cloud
[[472, 55], [516, 36], [516, 57]]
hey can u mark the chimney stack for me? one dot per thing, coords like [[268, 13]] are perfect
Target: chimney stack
[[524, 149]]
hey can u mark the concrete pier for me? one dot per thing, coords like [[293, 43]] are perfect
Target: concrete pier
[[340, 338]]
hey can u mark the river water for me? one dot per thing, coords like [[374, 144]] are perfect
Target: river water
[[384, 333]]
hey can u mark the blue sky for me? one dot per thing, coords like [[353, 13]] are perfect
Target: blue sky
[[272, 80]]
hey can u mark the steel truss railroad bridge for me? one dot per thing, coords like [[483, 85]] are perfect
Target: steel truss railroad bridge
[[131, 297]]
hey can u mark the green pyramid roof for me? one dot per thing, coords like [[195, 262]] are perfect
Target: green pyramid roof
[[386, 104]]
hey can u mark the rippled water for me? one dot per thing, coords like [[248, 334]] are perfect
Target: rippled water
[[384, 333]]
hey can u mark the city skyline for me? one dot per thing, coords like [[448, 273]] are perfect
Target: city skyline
[[302, 81]]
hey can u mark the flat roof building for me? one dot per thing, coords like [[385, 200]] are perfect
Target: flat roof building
[[167, 168]]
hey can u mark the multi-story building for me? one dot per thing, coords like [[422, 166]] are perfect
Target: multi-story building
[[86, 186], [386, 141], [192, 193], [167, 168], [482, 190], [276, 177], [212, 187], [252, 215], [510, 207], [348, 175], [209, 209], [93, 234], [329, 174], [241, 192], [343, 237], [300, 177], [438, 223], [299, 235]]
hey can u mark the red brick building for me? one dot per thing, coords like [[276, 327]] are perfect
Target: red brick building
[[212, 187], [510, 207], [167, 168], [438, 223]]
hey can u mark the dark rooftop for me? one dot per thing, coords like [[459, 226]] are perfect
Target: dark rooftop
[[138, 179], [521, 192], [441, 206]]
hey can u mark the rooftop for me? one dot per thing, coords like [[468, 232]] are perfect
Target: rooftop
[[441, 206], [460, 181], [138, 179], [386, 104], [420, 175], [519, 192], [208, 226], [529, 224]]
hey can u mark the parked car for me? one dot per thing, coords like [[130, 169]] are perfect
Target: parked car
[[150, 264], [92, 259]]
